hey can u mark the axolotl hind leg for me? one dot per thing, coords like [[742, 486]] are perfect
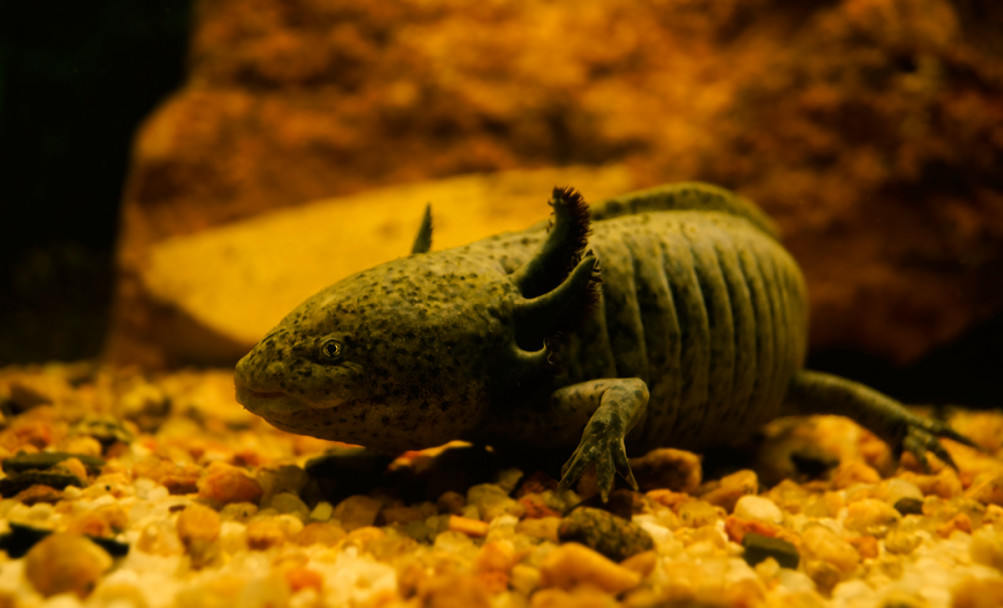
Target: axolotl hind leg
[[617, 404], [813, 392]]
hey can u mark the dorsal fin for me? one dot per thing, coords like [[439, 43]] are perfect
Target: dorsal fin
[[685, 196], [423, 240]]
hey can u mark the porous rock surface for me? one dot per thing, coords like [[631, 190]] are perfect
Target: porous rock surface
[[871, 129]]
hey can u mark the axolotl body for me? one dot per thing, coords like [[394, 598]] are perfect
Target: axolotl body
[[666, 317]]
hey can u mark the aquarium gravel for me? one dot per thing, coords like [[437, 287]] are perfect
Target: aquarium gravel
[[127, 489]]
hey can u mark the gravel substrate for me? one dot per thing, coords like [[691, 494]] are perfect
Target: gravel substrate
[[124, 490]]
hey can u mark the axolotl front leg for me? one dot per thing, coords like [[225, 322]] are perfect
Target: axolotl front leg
[[613, 407], [597, 414]]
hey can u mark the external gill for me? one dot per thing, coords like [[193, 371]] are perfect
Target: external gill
[[539, 319], [563, 249], [558, 287]]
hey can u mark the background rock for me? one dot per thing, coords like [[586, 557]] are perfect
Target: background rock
[[872, 130]]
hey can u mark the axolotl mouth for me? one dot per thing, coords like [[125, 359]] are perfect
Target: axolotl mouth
[[262, 402], [296, 415], [268, 403]]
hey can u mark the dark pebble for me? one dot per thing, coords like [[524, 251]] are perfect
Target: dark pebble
[[115, 548], [614, 537], [758, 547], [17, 483], [22, 538], [106, 430], [813, 463], [45, 460], [909, 506]]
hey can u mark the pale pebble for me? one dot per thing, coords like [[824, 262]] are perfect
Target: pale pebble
[[758, 508], [571, 564], [64, 601], [659, 533], [120, 594], [902, 542], [697, 513], [987, 547], [143, 486], [454, 542], [504, 522], [233, 536], [353, 579], [897, 489], [268, 592], [848, 591], [823, 544], [239, 511], [871, 516]]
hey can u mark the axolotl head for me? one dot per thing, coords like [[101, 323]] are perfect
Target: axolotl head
[[407, 354]]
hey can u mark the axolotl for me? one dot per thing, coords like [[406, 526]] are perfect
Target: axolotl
[[666, 317]]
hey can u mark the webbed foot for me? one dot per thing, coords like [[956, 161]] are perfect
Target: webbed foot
[[923, 435], [607, 452], [613, 407]]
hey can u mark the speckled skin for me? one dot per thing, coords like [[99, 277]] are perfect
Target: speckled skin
[[680, 320]]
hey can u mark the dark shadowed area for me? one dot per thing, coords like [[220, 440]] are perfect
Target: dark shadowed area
[[76, 79]]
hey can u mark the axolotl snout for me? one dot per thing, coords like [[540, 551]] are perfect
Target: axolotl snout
[[671, 316]]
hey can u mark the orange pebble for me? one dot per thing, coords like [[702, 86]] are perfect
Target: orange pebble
[[468, 526], [736, 528], [301, 577], [493, 581], [535, 507], [224, 484], [668, 498], [866, 546], [961, 521]]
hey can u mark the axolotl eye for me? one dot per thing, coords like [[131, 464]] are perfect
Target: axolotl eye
[[331, 351]]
